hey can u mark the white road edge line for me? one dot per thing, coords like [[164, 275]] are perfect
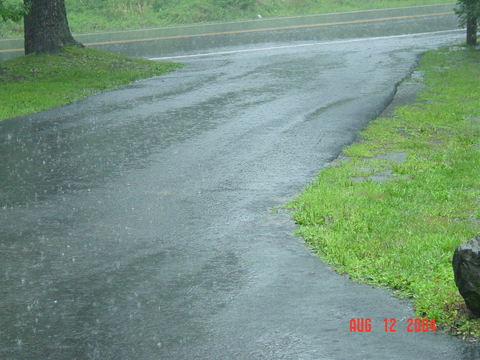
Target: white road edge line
[[303, 45]]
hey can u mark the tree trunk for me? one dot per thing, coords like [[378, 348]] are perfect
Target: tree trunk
[[46, 27], [471, 31]]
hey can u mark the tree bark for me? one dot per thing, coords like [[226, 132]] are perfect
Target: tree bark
[[471, 31], [46, 27]]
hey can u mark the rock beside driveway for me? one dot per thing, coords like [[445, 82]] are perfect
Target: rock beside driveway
[[466, 269]]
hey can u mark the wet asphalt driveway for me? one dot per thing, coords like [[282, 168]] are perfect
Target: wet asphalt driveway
[[137, 224]]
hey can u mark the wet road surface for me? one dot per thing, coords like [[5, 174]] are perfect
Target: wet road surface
[[137, 224], [180, 40]]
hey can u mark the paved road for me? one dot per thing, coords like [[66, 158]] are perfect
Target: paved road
[[136, 224]]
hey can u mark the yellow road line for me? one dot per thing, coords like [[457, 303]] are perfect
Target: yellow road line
[[10, 50], [258, 30]]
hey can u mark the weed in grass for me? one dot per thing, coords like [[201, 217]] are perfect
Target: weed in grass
[[402, 232]]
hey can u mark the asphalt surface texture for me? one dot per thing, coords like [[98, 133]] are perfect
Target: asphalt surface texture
[[140, 223]]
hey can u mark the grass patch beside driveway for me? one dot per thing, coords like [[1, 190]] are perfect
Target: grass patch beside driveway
[[30, 84], [407, 193]]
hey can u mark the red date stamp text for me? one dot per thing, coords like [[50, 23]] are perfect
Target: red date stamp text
[[390, 325]]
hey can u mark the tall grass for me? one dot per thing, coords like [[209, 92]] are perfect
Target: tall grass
[[103, 15]]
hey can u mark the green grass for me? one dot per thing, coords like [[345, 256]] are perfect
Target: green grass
[[402, 232], [29, 84], [94, 15]]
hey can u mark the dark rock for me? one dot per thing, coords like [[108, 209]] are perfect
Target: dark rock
[[466, 269]]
